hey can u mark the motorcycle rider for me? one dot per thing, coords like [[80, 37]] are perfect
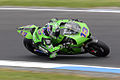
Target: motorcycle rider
[[50, 31]]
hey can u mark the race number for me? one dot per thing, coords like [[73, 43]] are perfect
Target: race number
[[84, 32]]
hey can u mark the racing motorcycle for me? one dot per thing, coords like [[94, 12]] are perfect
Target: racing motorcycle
[[73, 34]]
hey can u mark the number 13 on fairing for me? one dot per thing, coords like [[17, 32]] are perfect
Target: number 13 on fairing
[[84, 32]]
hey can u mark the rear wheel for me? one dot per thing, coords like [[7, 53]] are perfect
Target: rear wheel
[[28, 45], [98, 49]]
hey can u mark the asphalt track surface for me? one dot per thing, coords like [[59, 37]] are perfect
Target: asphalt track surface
[[105, 26]]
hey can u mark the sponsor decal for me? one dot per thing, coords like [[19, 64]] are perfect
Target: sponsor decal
[[39, 32], [43, 30], [48, 28], [23, 33]]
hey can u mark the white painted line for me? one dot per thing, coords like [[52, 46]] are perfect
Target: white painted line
[[65, 10], [43, 65], [59, 66]]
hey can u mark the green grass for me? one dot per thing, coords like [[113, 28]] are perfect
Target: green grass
[[62, 3], [6, 74]]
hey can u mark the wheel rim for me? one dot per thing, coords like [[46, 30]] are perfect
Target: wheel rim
[[96, 50]]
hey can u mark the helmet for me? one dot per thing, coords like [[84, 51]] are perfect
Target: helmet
[[53, 30]]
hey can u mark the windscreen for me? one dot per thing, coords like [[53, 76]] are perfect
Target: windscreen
[[71, 28]]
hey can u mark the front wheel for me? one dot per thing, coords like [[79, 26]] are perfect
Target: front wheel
[[99, 49], [28, 45]]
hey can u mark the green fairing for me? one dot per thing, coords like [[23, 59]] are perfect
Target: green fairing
[[78, 38]]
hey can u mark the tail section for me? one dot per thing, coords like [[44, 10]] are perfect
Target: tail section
[[27, 31]]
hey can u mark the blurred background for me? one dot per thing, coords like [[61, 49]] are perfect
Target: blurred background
[[62, 3]]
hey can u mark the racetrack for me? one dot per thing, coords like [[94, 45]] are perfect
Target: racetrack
[[105, 26]]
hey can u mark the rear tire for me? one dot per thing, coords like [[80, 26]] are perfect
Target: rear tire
[[98, 49], [28, 45]]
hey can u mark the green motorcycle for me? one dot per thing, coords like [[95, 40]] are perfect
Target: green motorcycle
[[69, 37]]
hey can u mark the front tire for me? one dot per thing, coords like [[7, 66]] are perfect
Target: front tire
[[28, 45], [99, 49]]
